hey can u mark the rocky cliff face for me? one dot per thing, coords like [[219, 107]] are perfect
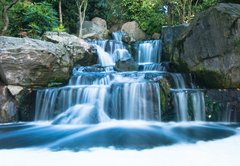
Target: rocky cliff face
[[211, 47]]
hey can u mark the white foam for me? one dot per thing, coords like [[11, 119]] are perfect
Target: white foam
[[223, 152]]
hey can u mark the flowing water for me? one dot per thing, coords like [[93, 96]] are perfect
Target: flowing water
[[148, 116]]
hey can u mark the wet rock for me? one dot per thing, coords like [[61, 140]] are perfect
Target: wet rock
[[8, 106], [211, 45], [169, 34], [156, 36], [126, 65], [223, 105]]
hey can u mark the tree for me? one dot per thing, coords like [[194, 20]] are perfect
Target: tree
[[182, 11], [5, 10], [60, 13], [33, 18], [82, 7]]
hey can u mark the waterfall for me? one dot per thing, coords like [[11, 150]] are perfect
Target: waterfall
[[117, 36], [51, 102], [98, 94], [189, 105], [149, 51], [105, 59], [139, 100]]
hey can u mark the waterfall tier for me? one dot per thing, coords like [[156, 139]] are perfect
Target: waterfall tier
[[99, 93]]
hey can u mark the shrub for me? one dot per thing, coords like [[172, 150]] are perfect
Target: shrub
[[33, 18]]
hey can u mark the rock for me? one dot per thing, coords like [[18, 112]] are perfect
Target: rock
[[126, 65], [26, 104], [211, 46], [8, 107], [169, 34], [59, 37], [100, 22], [29, 63], [223, 105], [14, 90], [115, 28], [95, 29], [133, 31], [156, 36], [80, 51]]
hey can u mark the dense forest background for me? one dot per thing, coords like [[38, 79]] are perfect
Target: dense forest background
[[37, 16]]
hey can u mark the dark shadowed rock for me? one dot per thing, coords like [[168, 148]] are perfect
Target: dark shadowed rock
[[211, 46], [223, 105], [169, 34], [8, 106]]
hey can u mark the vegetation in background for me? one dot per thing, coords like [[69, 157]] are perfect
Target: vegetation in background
[[33, 18], [6, 6], [82, 7], [37, 16]]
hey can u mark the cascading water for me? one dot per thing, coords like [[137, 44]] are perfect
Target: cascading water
[[101, 107], [149, 51], [123, 95]]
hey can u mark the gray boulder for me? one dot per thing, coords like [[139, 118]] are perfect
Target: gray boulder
[[133, 30], [30, 63], [95, 29], [80, 51], [210, 47]]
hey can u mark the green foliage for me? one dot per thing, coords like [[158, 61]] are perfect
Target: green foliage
[[37, 16], [60, 28], [33, 18], [205, 5], [146, 12]]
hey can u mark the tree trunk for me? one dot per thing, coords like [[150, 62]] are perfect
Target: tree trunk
[[82, 7], [60, 13], [5, 16]]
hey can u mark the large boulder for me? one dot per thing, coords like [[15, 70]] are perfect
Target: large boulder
[[133, 30], [211, 47], [8, 106], [80, 51], [95, 29], [30, 63]]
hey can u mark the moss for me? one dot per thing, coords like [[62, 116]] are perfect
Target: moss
[[211, 79], [164, 91], [237, 46], [168, 113], [180, 66]]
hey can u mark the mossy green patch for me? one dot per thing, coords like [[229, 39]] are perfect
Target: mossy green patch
[[211, 79]]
